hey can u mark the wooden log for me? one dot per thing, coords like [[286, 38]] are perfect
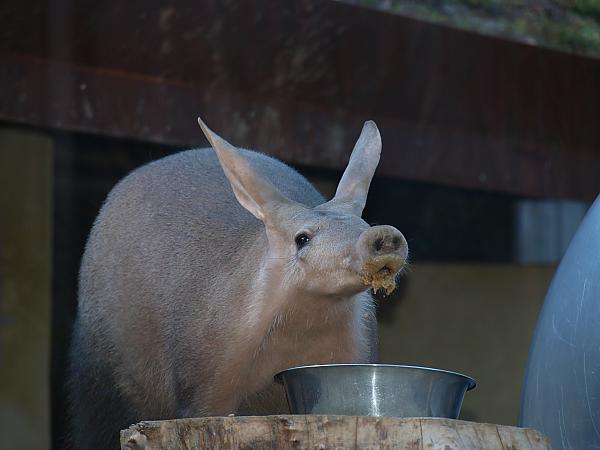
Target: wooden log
[[327, 432]]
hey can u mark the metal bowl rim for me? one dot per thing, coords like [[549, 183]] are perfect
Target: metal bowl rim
[[472, 383]]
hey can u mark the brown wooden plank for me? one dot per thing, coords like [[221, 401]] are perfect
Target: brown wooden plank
[[59, 95], [297, 79], [325, 52]]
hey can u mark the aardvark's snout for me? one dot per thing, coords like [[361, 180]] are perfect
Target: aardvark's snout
[[383, 252]]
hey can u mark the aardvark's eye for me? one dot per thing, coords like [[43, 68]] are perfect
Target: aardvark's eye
[[301, 240]]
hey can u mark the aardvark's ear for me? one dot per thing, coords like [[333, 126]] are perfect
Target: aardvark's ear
[[253, 192], [351, 193]]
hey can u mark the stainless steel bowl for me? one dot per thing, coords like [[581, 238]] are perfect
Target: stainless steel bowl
[[374, 390]]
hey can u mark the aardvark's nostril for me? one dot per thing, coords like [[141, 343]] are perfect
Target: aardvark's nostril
[[387, 243], [381, 240]]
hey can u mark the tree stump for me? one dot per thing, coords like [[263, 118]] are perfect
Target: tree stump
[[327, 432]]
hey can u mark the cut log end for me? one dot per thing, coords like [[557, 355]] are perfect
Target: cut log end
[[287, 432]]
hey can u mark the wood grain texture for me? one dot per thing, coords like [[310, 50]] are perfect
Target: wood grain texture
[[327, 432], [454, 107]]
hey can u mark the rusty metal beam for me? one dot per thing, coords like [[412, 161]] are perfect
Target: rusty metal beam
[[297, 79]]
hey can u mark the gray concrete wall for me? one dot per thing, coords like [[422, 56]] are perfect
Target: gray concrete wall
[[544, 229]]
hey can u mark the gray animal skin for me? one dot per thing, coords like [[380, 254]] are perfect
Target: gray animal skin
[[207, 272]]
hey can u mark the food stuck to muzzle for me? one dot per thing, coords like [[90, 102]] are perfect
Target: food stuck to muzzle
[[380, 273]]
